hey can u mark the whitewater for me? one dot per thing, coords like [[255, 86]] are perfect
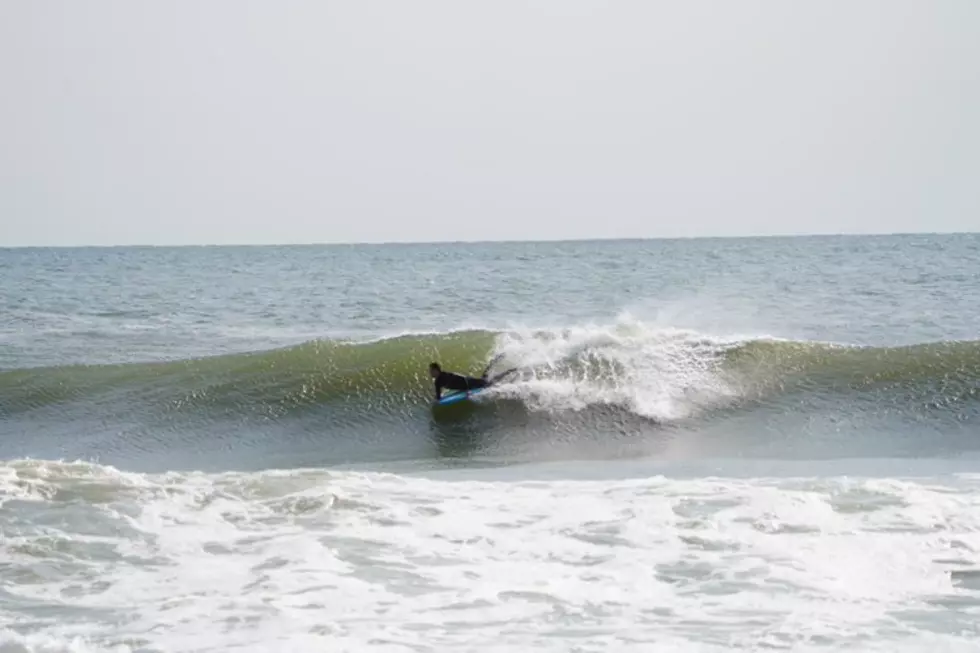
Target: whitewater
[[711, 445], [293, 560]]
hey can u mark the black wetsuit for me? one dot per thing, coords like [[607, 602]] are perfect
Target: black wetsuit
[[457, 382]]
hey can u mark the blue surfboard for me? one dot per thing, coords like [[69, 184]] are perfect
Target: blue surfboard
[[460, 395]]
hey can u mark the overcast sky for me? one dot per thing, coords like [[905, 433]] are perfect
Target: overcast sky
[[239, 121]]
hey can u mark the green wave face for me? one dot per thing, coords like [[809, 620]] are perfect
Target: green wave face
[[389, 377], [318, 372], [580, 393], [947, 371]]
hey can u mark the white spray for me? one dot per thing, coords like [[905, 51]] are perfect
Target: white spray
[[660, 373]]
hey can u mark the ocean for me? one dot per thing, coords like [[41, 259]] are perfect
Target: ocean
[[710, 445]]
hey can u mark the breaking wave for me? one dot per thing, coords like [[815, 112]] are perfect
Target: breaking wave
[[623, 378]]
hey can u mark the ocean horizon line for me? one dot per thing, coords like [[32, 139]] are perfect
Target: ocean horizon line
[[500, 241]]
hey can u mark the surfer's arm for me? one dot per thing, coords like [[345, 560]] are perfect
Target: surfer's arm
[[503, 374], [490, 364]]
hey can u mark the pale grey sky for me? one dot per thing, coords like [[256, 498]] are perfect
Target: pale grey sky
[[239, 121]]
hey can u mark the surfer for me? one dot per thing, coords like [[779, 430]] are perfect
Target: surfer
[[460, 382]]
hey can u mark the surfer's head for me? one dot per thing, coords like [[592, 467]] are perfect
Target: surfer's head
[[434, 369]]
